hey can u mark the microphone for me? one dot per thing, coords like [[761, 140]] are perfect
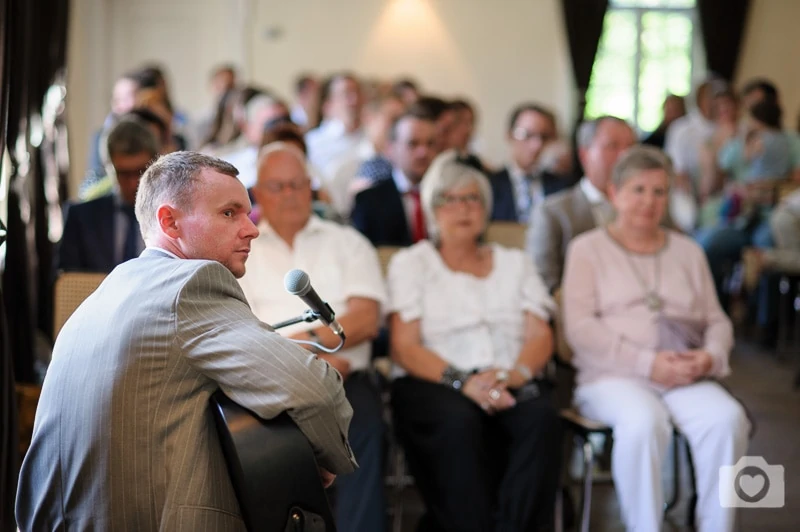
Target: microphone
[[298, 283]]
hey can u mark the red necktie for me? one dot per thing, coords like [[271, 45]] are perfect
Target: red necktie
[[418, 231]]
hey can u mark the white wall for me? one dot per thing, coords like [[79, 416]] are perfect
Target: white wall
[[769, 50], [495, 53]]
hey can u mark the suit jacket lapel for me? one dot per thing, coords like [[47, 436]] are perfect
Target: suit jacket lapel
[[396, 210], [583, 218]]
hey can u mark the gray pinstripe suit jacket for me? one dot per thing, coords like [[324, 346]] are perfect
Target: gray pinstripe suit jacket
[[124, 438]]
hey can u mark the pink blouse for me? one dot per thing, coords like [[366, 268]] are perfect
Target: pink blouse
[[607, 322]]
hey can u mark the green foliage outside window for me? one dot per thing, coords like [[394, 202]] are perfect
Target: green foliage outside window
[[645, 53]]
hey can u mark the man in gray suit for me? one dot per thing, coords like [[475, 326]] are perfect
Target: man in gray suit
[[566, 214], [124, 438]]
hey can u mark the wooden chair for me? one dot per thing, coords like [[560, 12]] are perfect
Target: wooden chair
[[70, 290], [508, 234], [583, 428], [397, 477]]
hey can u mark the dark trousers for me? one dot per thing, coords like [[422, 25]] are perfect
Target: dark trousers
[[360, 496], [478, 472]]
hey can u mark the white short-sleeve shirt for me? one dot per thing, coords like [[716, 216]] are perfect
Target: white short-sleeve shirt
[[468, 321], [340, 262]]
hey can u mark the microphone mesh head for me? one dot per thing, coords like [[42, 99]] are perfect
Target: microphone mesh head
[[296, 282]]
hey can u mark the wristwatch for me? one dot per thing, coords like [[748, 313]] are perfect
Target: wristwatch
[[454, 378]]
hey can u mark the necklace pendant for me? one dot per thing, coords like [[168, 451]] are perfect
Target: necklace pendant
[[653, 301]]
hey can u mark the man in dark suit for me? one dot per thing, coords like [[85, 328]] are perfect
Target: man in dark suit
[[390, 212], [519, 186], [102, 233]]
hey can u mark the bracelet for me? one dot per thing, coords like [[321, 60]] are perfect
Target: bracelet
[[525, 371]]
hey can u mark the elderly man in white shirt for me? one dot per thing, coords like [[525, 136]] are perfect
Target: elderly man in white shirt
[[345, 271]]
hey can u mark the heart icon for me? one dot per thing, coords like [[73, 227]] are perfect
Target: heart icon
[[752, 484]]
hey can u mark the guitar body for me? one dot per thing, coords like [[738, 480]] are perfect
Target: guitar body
[[273, 470]]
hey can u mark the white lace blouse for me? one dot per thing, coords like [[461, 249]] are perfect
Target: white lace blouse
[[468, 321]]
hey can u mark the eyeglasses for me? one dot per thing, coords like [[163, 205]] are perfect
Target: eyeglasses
[[469, 200], [523, 134], [126, 174], [276, 187]]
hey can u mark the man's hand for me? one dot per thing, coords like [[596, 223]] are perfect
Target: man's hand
[[671, 369], [326, 477], [339, 364], [486, 391]]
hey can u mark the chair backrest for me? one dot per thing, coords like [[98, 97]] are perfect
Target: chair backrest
[[785, 188], [508, 234], [385, 254], [70, 291]]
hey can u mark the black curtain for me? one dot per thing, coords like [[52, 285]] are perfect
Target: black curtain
[[583, 20], [32, 57], [722, 23]]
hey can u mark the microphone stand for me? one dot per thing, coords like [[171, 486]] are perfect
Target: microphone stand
[[308, 316]]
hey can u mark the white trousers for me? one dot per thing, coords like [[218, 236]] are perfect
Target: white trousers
[[714, 423]]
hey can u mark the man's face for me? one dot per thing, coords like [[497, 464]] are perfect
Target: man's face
[[123, 97], [129, 170], [217, 226], [344, 100], [462, 130], [283, 191], [531, 131], [414, 147], [610, 141]]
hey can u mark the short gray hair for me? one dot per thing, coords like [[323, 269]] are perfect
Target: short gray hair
[[640, 158], [445, 174], [129, 136], [280, 146], [173, 178], [587, 131]]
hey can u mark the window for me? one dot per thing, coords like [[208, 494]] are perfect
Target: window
[[648, 49]]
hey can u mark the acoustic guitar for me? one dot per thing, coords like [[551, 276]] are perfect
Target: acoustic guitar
[[273, 470]]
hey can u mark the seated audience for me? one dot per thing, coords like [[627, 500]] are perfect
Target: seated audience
[[469, 331], [345, 271], [518, 187], [390, 212], [649, 337], [123, 99], [339, 132], [461, 133], [674, 107], [563, 216], [369, 163], [304, 110], [259, 111], [407, 90], [102, 233]]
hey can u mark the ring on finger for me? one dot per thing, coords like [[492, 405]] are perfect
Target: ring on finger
[[494, 394]]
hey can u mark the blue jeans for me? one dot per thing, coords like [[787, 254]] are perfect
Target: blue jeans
[[723, 245]]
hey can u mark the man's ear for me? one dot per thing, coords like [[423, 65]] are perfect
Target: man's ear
[[167, 220]]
